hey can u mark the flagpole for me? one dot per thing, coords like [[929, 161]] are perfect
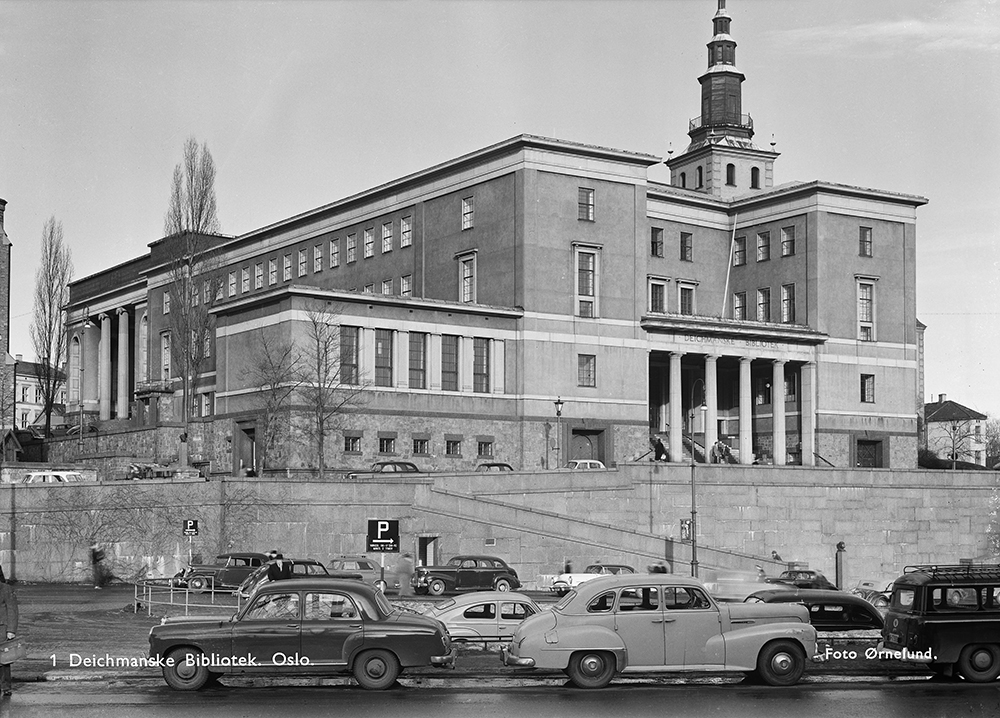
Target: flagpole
[[729, 269]]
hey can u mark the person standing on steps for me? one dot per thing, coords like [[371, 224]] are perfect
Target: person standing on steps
[[8, 629]]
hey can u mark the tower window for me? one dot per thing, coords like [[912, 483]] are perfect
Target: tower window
[[754, 178], [739, 251], [763, 246], [865, 242], [731, 175], [687, 247], [700, 174], [740, 305], [656, 242], [684, 180]]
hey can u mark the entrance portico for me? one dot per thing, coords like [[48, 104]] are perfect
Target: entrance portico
[[756, 381]]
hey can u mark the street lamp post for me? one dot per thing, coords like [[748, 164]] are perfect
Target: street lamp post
[[559, 407], [694, 504]]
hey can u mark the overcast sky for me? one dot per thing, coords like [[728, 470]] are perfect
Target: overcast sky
[[303, 103]]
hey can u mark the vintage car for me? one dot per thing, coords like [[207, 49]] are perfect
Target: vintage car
[[876, 593], [228, 572], [303, 626], [483, 616], [565, 582], [465, 573], [494, 466], [661, 623], [803, 578], [370, 570], [53, 477], [585, 465], [295, 568], [828, 610], [387, 467]]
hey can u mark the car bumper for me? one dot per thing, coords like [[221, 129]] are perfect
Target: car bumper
[[446, 661], [509, 659]]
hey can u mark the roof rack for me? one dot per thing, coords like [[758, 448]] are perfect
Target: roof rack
[[982, 571]]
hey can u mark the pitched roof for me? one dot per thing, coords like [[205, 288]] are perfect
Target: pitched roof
[[949, 410]]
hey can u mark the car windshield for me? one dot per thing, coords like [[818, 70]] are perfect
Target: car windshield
[[455, 562], [594, 569]]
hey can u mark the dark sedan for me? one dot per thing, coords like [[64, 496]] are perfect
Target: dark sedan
[[466, 573], [803, 578], [828, 610], [302, 627]]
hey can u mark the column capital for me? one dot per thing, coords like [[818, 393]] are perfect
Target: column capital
[[711, 357], [779, 362], [121, 310], [746, 360]]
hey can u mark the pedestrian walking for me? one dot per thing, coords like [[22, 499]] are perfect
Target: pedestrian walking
[[8, 631], [96, 564], [568, 568], [404, 572]]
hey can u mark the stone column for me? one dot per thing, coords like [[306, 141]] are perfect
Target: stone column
[[121, 406], [746, 403], [466, 363], [434, 362], [807, 391], [366, 356], [401, 360], [104, 371], [498, 366], [676, 424], [712, 402], [778, 450]]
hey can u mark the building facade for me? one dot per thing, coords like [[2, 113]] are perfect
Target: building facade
[[955, 432], [541, 299]]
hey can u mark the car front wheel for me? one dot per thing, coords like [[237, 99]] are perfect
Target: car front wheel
[[436, 587], [781, 663], [980, 663], [185, 672], [376, 670], [503, 585], [198, 584], [591, 669]]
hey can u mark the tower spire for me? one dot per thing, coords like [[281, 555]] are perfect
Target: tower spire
[[721, 87]]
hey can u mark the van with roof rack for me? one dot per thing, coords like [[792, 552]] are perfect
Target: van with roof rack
[[947, 617]]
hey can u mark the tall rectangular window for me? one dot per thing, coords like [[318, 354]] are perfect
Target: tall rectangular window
[[586, 369], [657, 295], [739, 251], [258, 275], [386, 237], [165, 355], [791, 387], [272, 272], [586, 283], [334, 253], [405, 232], [656, 242], [166, 301], [787, 241], [318, 258], [418, 360], [865, 242], [286, 268], [352, 248], [195, 295], [788, 303], [467, 278], [245, 280], [369, 243], [763, 246], [481, 365], [449, 362], [406, 285], [383, 357], [386, 286], [369, 288], [764, 305], [468, 212], [687, 247], [685, 299], [761, 391], [867, 388], [232, 283], [302, 263], [585, 204], [740, 305], [350, 350], [866, 311]]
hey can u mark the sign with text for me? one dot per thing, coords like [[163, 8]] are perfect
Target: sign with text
[[190, 527], [383, 535]]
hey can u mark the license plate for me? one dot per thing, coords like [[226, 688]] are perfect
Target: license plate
[[893, 638]]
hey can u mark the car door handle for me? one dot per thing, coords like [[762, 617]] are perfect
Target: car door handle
[[744, 620], [291, 625], [664, 620]]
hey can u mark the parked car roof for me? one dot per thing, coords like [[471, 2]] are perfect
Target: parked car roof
[[494, 466], [826, 608]]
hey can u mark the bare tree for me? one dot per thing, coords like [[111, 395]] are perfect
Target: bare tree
[[329, 382], [274, 369], [992, 438], [954, 439], [194, 280], [8, 385], [48, 323]]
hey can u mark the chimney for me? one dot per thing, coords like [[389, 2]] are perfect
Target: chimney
[[19, 357], [942, 398]]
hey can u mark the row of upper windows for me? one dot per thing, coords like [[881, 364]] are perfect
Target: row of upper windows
[[699, 173], [865, 248], [420, 446], [685, 243], [763, 307]]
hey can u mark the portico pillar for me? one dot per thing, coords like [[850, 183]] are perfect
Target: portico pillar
[[104, 370], [807, 390], [712, 402], [746, 426], [778, 412], [121, 406], [401, 359], [434, 362], [675, 426]]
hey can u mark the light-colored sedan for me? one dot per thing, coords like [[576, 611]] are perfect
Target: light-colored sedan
[[484, 615], [566, 582], [662, 623]]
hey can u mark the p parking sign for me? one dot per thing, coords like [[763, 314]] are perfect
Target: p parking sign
[[383, 535], [190, 527]]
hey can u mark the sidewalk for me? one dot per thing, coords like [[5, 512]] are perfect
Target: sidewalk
[[78, 633]]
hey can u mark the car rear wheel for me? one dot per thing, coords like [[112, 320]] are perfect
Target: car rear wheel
[[436, 587], [591, 669], [185, 672], [376, 670], [781, 663], [503, 585], [980, 663], [198, 584]]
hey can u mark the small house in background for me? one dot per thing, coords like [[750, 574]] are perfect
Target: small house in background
[[955, 432]]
